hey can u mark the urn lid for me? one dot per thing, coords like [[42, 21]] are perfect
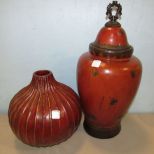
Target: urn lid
[[112, 41]]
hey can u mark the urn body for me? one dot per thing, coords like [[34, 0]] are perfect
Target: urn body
[[106, 91], [108, 77]]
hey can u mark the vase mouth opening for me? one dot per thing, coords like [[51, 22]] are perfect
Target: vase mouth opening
[[43, 73]]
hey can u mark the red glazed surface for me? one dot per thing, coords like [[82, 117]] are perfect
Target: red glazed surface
[[30, 111], [112, 36], [108, 88], [107, 91]]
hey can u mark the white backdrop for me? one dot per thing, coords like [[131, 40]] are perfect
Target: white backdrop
[[52, 34]]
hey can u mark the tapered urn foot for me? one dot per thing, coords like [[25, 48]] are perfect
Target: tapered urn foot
[[103, 133]]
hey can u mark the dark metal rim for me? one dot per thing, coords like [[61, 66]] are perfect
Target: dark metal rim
[[111, 51]]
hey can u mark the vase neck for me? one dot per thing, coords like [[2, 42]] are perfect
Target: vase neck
[[42, 79]]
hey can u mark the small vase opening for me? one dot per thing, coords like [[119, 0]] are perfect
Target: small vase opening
[[42, 77], [42, 73]]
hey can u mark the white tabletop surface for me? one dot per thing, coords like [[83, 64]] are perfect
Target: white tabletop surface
[[136, 137]]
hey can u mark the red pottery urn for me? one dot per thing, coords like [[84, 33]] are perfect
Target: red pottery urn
[[45, 112], [108, 78]]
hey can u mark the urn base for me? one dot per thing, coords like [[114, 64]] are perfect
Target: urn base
[[103, 133]]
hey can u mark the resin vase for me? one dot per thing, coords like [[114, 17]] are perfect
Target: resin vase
[[45, 112], [108, 78]]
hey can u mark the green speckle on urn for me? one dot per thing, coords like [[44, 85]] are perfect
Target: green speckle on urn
[[133, 74], [113, 101], [95, 73]]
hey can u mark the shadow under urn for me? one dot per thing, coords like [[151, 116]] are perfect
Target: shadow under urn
[[108, 77], [45, 112]]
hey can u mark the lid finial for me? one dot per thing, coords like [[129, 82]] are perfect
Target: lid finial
[[114, 11]]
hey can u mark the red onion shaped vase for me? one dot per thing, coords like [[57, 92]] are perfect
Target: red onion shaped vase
[[45, 112], [108, 78]]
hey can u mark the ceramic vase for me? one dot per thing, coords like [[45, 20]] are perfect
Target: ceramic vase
[[44, 113], [108, 77]]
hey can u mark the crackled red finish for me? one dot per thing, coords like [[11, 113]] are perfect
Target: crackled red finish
[[30, 111], [112, 36], [107, 83], [107, 91]]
